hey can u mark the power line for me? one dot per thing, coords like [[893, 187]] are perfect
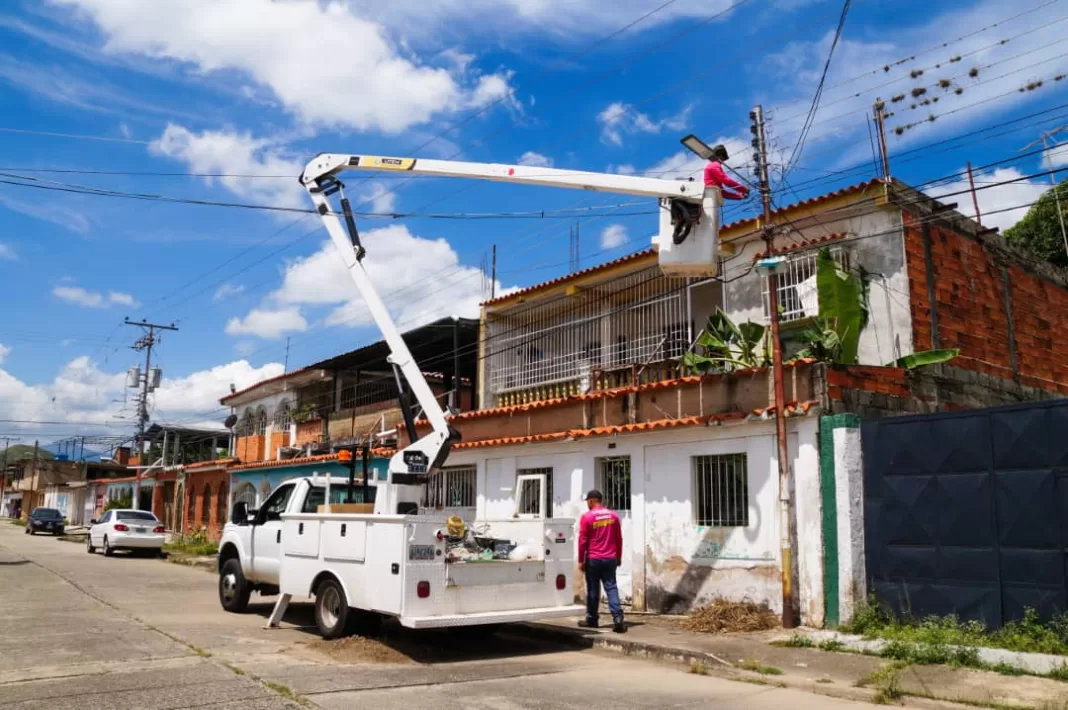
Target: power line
[[807, 126]]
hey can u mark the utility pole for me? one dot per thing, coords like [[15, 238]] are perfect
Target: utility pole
[[761, 160], [493, 275], [145, 342], [1047, 136], [975, 197], [880, 125]]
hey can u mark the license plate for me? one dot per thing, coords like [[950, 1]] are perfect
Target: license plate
[[421, 553], [140, 530]]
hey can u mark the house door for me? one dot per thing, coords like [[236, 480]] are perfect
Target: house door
[[168, 506]]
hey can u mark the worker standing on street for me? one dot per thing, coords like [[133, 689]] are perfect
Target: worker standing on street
[[600, 551], [716, 176]]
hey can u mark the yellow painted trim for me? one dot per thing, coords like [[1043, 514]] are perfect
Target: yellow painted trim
[[378, 162]]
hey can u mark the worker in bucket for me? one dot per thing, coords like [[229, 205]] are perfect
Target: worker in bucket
[[716, 176], [600, 551]]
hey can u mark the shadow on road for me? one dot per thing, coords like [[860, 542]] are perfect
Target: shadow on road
[[396, 643]]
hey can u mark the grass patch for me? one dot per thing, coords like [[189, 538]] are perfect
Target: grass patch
[[1028, 635], [188, 546], [282, 690], [886, 682], [795, 641], [824, 680], [19, 522], [832, 645], [1006, 669], [234, 669], [758, 667], [1059, 673], [698, 668]]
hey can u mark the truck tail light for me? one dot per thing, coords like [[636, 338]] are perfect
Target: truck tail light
[[423, 590], [561, 581], [159, 529], [119, 527]]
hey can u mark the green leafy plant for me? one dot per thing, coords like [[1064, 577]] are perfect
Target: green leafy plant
[[821, 342], [122, 502], [724, 346], [306, 412], [924, 358]]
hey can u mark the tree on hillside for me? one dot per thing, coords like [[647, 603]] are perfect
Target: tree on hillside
[[1039, 232], [24, 451]]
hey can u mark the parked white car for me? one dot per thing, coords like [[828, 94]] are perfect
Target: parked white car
[[132, 530]]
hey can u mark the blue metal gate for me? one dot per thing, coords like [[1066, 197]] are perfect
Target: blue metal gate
[[967, 513]]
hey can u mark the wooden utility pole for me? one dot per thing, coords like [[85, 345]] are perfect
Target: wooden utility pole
[[785, 513], [145, 342], [493, 275], [975, 197], [880, 125]]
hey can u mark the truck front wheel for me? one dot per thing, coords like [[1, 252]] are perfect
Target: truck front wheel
[[234, 591], [332, 613]]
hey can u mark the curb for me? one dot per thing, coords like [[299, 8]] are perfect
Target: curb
[[207, 564], [713, 665]]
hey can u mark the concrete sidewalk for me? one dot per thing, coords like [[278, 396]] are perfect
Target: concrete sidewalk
[[752, 658]]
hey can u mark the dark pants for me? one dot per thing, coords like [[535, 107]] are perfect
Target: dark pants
[[600, 572]]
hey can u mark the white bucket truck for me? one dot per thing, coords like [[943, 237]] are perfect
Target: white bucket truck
[[362, 561]]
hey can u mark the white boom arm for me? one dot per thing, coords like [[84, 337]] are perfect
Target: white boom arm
[[688, 244], [334, 163]]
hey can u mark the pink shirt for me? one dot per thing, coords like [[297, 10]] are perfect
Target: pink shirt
[[715, 176], [600, 535]]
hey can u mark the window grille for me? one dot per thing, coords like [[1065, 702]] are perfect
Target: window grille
[[528, 495], [613, 480], [797, 286], [453, 487], [721, 491]]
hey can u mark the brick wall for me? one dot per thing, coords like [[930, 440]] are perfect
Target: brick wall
[[278, 439], [207, 501], [249, 448], [309, 432], [872, 392], [1005, 311]]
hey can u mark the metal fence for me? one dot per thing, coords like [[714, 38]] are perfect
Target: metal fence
[[642, 317], [454, 487], [613, 479]]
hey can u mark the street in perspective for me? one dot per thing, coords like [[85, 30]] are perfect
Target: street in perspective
[[302, 406]]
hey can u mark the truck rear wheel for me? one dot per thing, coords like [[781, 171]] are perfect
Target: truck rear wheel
[[234, 591], [332, 614]]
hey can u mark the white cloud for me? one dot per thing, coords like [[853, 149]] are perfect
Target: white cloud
[[244, 348], [544, 19], [265, 323], [619, 119], [270, 170], [373, 82], [7, 252], [1019, 195], [227, 290], [614, 235], [93, 299], [124, 130], [420, 279], [684, 164], [4, 352], [83, 394], [1056, 157], [49, 212], [536, 160]]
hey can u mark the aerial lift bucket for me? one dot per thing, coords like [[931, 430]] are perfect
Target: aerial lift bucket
[[696, 253]]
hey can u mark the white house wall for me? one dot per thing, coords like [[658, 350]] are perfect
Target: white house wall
[[671, 564], [875, 242]]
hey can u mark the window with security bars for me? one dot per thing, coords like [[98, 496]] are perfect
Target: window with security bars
[[453, 487], [528, 495], [798, 297], [613, 480], [721, 491]]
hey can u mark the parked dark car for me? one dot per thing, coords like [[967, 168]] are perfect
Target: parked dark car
[[47, 520]]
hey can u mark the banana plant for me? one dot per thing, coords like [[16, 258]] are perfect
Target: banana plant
[[724, 346]]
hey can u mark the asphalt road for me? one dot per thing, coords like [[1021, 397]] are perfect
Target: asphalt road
[[81, 632]]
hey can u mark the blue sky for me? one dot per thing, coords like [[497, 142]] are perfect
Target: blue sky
[[255, 88]]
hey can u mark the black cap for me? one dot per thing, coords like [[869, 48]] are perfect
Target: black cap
[[595, 495]]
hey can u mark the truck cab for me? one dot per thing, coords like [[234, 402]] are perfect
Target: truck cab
[[250, 551]]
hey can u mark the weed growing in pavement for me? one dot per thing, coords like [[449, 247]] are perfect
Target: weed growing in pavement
[[795, 641], [1029, 634], [195, 543], [832, 645], [758, 667], [1059, 673], [1006, 669], [886, 683], [698, 668]]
